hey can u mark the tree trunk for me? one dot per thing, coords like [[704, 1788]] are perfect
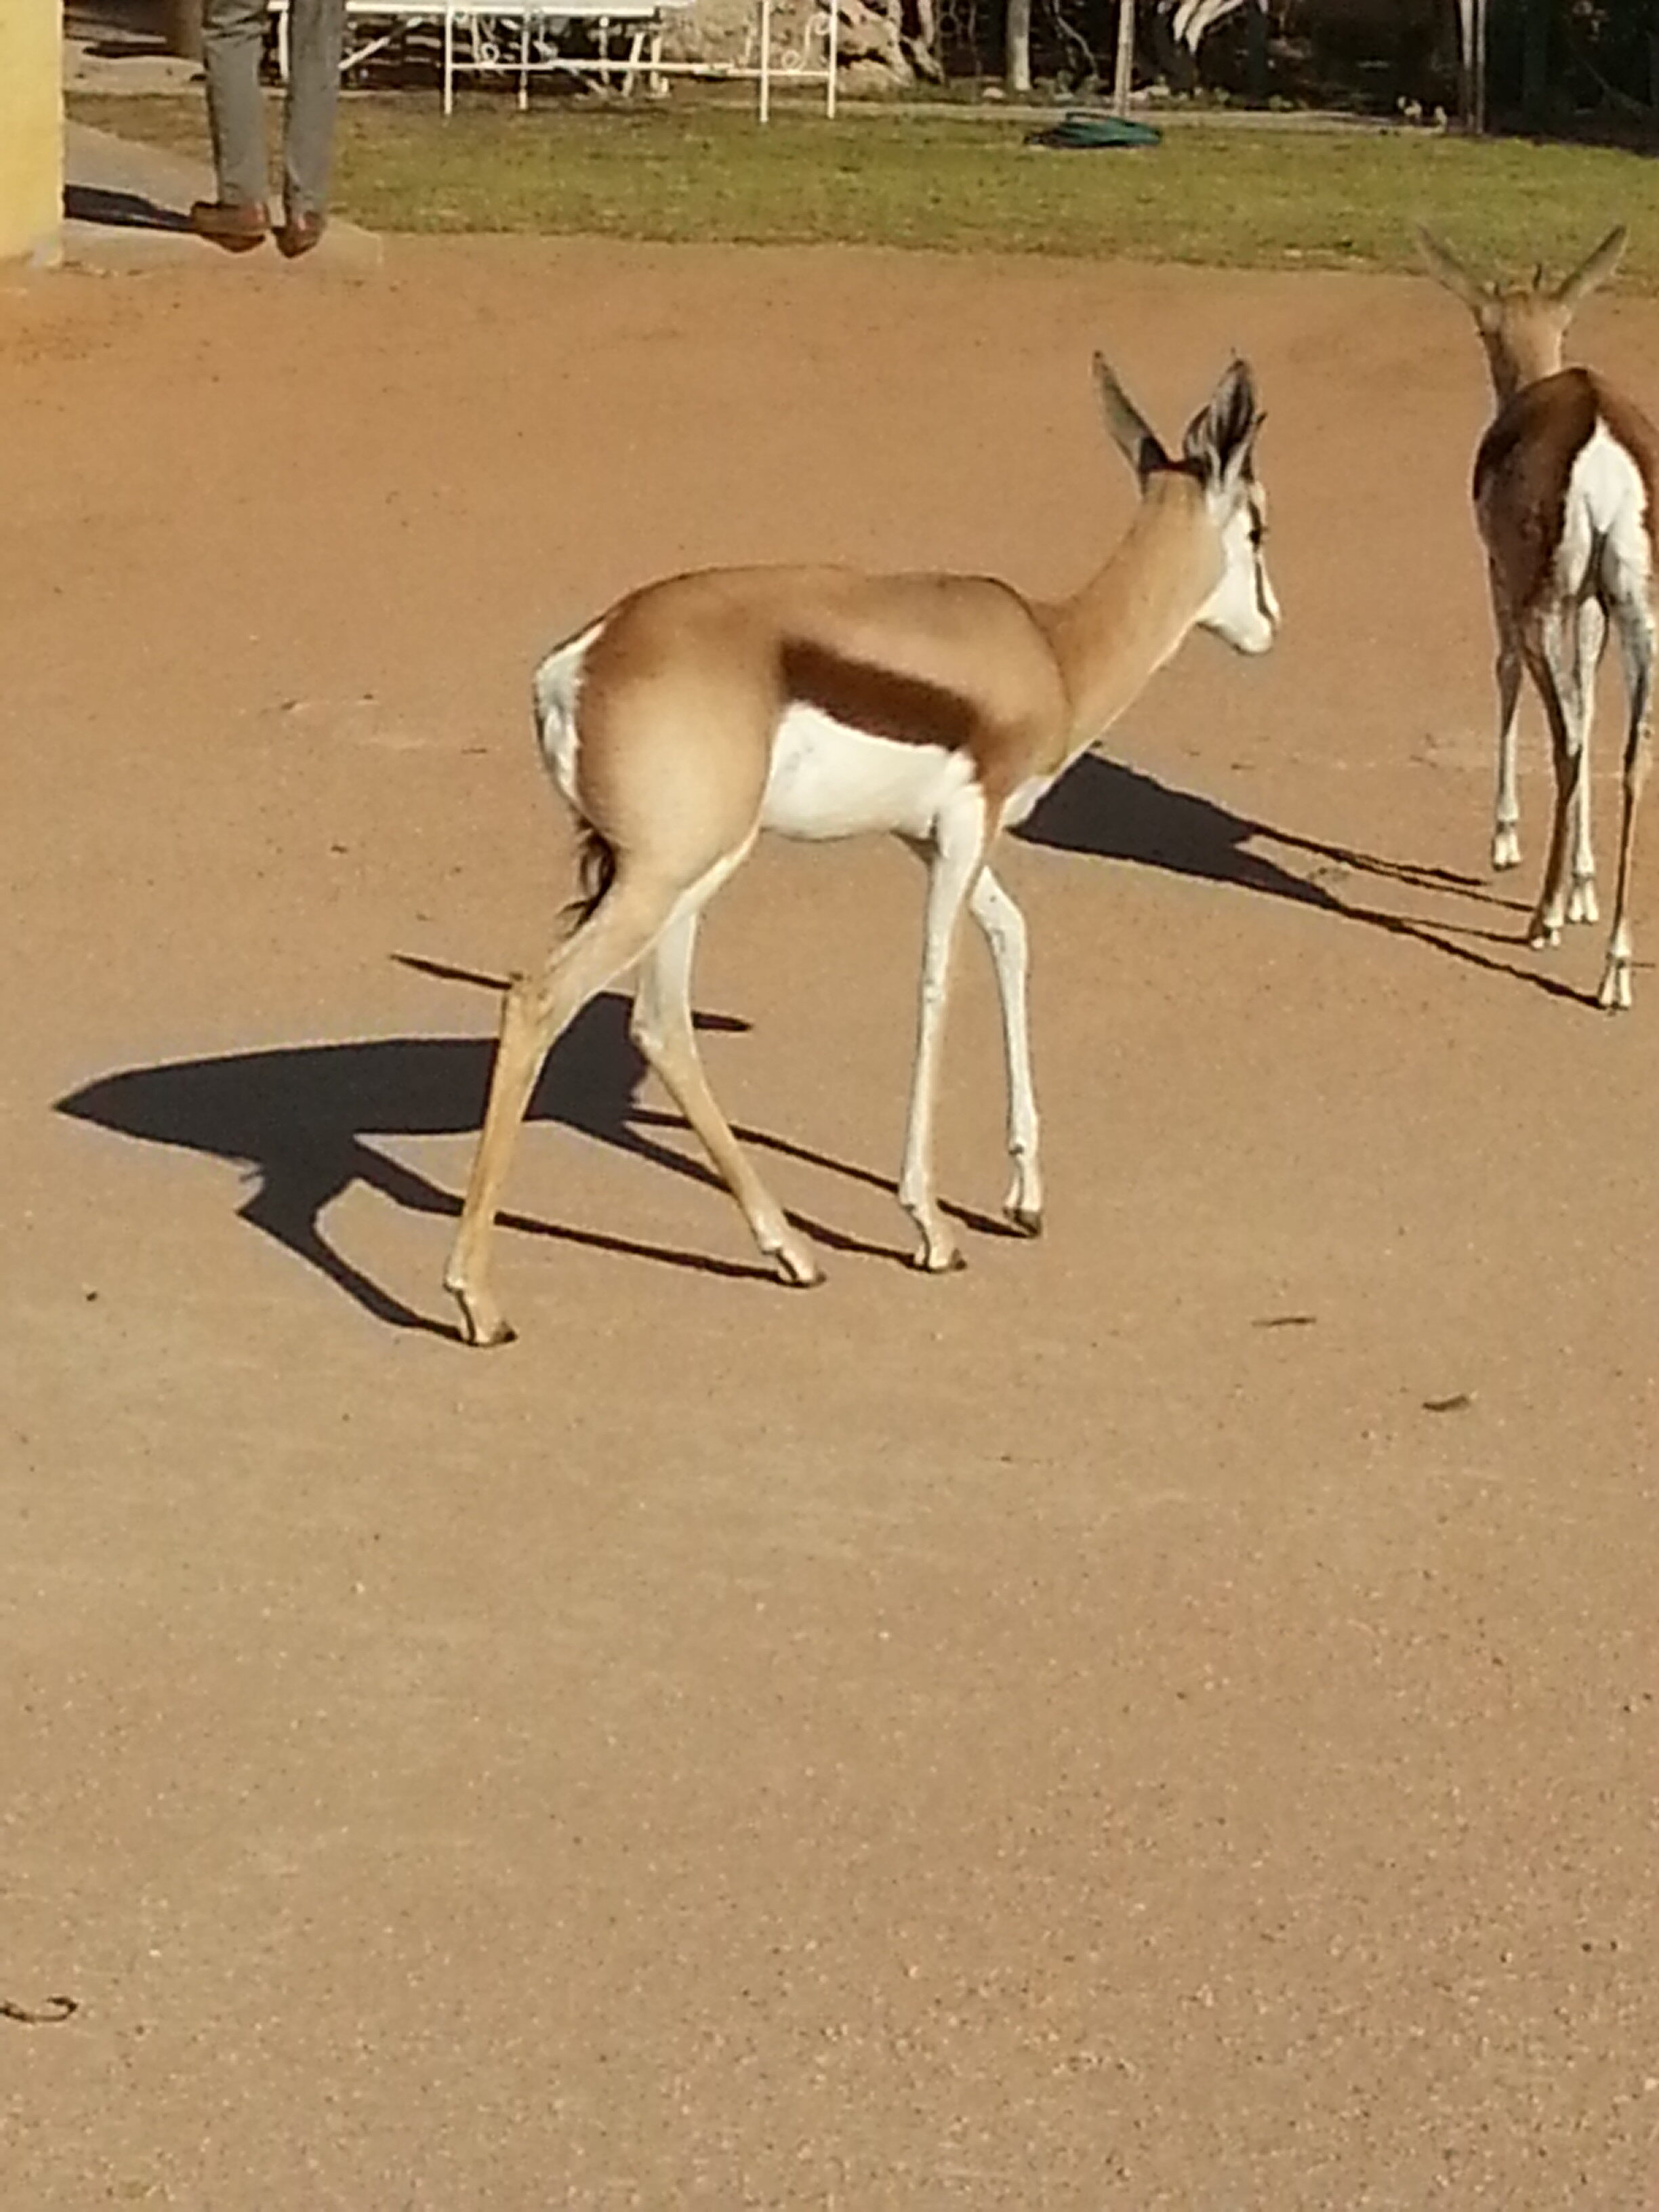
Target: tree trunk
[[1480, 67], [1466, 63], [1016, 61]]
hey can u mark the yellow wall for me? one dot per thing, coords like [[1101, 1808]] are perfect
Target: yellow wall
[[31, 126]]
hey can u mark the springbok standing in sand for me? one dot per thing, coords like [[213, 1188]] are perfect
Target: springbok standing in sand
[[1566, 483], [820, 703]]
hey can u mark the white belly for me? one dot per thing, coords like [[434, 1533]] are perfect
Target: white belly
[[829, 781]]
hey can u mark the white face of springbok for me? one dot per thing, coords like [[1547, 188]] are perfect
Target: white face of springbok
[[1217, 455], [1243, 608], [1219, 447]]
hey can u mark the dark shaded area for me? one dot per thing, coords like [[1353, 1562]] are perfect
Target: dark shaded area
[[300, 1116], [120, 210], [1585, 70]]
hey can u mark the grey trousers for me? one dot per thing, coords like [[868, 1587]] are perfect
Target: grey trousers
[[233, 40]]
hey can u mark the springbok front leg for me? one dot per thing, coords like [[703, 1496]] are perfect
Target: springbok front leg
[[1636, 631], [535, 1009], [1002, 928], [662, 1028], [958, 851], [1506, 813]]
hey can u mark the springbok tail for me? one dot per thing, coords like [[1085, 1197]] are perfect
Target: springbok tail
[[596, 870]]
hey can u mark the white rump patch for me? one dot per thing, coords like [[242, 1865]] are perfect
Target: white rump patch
[[557, 686], [829, 780], [1607, 503]]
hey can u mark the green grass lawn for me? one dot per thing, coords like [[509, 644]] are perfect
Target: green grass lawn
[[1256, 197]]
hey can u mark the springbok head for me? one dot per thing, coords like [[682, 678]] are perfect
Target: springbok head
[[1218, 454], [1523, 327]]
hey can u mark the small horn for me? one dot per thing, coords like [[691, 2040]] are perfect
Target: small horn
[[1594, 268], [1444, 266]]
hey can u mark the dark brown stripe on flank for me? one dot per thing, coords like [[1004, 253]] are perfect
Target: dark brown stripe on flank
[[880, 702]]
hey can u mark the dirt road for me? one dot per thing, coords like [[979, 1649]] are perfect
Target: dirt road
[[1168, 1717]]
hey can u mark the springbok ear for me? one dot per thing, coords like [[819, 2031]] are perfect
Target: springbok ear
[[1221, 437], [1132, 433], [1594, 270], [1444, 266]]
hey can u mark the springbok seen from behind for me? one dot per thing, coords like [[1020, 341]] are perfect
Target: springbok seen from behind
[[1566, 483], [822, 703]]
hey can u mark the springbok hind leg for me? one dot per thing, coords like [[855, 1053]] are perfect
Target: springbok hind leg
[[1506, 813], [1592, 635], [1636, 635], [663, 1029], [536, 1008], [1549, 660]]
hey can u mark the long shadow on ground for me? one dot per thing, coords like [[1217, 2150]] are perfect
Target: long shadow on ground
[[1119, 814], [299, 1117]]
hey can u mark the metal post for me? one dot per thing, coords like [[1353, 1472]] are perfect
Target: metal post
[[1124, 71]]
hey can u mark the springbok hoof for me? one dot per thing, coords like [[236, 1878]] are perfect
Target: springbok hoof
[[1026, 1220], [797, 1271], [1581, 901], [483, 1323], [945, 1260], [1505, 846], [485, 1336], [1542, 935], [1614, 995]]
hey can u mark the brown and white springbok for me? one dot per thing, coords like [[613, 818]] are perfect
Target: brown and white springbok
[[822, 703], [1566, 495]]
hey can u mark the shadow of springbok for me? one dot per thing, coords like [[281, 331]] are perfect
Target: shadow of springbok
[[301, 1118]]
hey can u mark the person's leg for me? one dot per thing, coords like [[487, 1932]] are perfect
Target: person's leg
[[317, 31], [233, 39]]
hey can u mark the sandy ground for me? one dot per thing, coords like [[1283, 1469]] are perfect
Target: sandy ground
[[1087, 1732]]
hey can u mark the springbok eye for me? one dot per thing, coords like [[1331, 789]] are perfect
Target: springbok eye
[[1258, 531]]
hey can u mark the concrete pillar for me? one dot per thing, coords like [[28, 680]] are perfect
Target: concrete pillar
[[31, 127]]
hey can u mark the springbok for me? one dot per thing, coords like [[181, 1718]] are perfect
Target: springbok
[[822, 703], [1566, 482]]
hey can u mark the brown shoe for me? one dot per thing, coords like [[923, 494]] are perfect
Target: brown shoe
[[299, 233], [237, 225]]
